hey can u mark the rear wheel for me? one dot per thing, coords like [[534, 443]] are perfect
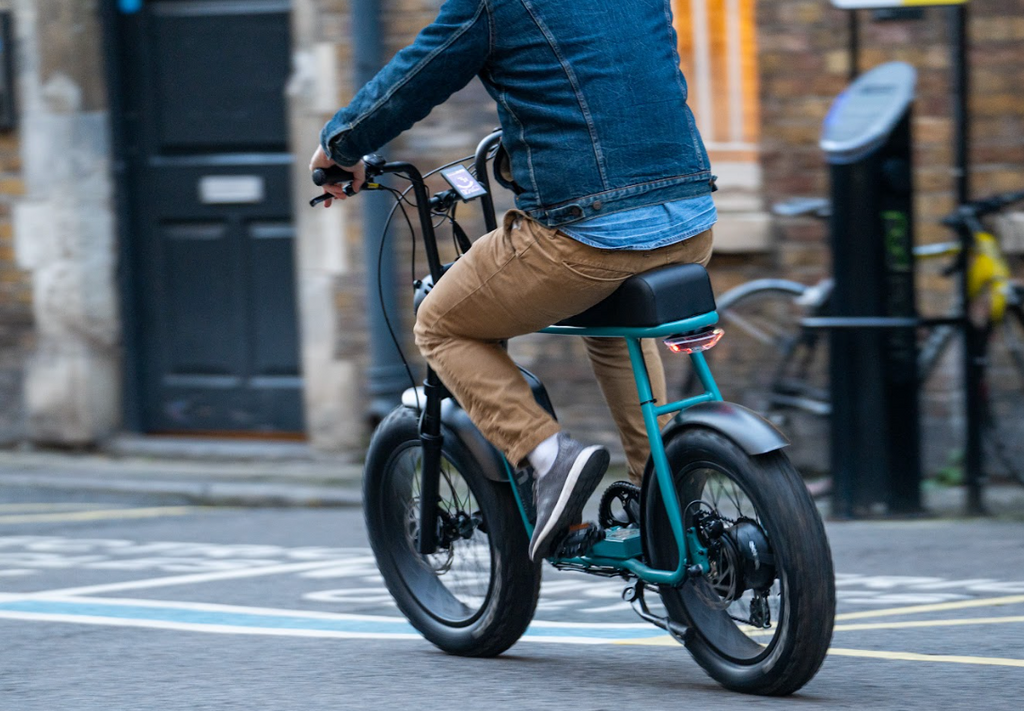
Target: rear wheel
[[477, 594], [762, 615], [1004, 382]]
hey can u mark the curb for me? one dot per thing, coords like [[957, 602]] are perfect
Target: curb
[[228, 481], [209, 493]]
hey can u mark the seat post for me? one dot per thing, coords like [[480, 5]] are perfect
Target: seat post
[[648, 407]]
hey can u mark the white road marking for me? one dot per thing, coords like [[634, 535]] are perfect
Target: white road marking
[[24, 555], [234, 619], [103, 514], [183, 579]]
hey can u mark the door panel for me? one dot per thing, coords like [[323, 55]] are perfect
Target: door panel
[[209, 177], [217, 62], [275, 329], [195, 284]]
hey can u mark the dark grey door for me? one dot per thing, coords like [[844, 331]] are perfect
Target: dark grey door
[[207, 175]]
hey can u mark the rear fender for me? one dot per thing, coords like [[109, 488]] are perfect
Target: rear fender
[[751, 432], [754, 434]]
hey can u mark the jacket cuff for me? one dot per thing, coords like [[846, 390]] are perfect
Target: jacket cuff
[[329, 138]]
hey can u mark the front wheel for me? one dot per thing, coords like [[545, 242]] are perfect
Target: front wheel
[[762, 615], [477, 594]]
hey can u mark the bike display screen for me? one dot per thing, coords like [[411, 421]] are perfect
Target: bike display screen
[[463, 183]]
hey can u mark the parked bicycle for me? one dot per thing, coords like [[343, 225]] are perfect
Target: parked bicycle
[[722, 526], [779, 367]]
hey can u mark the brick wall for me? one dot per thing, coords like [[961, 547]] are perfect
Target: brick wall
[[804, 64]]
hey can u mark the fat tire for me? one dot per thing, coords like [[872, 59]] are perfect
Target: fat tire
[[514, 586], [797, 536]]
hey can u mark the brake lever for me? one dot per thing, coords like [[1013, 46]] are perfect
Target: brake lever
[[347, 190]]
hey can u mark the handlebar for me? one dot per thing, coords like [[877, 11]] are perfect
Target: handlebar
[[331, 176], [377, 165], [981, 208], [335, 174]]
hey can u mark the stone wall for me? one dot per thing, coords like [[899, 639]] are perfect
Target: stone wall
[[64, 241], [15, 292]]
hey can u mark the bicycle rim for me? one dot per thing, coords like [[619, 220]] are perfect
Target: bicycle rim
[[732, 620], [454, 584]]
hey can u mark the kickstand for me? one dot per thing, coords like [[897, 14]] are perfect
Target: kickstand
[[634, 595]]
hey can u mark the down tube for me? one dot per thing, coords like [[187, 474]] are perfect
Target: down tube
[[661, 468]]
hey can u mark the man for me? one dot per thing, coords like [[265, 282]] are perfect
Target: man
[[612, 179]]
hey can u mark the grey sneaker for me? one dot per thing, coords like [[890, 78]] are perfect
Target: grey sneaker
[[561, 493]]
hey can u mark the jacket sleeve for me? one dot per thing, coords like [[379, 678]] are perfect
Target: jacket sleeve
[[445, 56]]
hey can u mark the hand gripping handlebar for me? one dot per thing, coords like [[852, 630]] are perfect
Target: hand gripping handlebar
[[331, 176]]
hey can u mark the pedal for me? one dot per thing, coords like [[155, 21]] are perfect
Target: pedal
[[580, 539]]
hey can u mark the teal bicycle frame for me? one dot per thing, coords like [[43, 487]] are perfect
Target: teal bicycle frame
[[622, 546]]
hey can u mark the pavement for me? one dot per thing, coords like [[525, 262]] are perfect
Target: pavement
[[203, 471], [261, 473]]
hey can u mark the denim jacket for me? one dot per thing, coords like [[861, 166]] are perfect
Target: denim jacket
[[590, 98]]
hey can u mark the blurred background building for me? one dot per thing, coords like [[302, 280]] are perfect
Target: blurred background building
[[160, 273]]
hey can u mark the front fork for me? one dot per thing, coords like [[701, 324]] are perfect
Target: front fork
[[431, 440]]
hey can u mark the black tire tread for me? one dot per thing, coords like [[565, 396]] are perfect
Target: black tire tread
[[797, 533], [511, 611]]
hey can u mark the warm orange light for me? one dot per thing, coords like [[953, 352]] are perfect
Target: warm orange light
[[694, 342]]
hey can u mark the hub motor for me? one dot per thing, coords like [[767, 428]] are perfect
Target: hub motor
[[739, 557], [756, 560]]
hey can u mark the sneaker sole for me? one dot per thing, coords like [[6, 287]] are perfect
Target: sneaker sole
[[583, 478]]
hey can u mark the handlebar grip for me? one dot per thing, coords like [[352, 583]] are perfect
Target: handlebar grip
[[330, 176]]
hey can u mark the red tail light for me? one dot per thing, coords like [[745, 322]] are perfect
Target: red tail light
[[694, 342]]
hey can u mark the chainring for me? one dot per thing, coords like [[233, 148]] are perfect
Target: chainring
[[620, 505]]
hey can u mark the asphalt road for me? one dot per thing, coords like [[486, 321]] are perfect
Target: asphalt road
[[110, 602]]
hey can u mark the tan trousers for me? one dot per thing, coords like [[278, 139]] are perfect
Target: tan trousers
[[519, 279]]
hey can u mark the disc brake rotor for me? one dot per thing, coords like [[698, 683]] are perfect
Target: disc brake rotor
[[441, 561]]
